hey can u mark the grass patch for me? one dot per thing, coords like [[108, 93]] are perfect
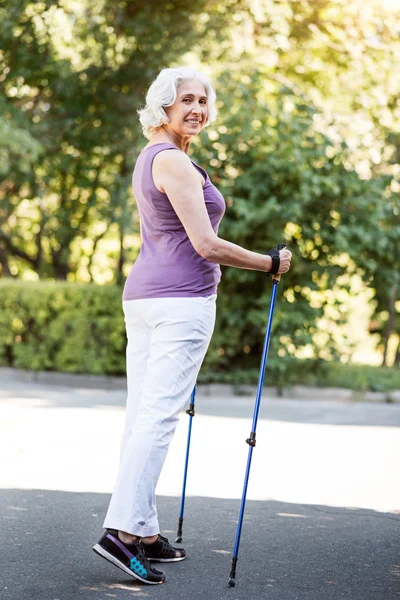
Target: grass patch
[[314, 373], [361, 377]]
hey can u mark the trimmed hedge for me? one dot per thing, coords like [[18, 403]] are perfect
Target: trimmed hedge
[[79, 328], [57, 326]]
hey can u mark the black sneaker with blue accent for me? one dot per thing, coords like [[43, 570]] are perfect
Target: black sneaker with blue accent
[[131, 558], [162, 551]]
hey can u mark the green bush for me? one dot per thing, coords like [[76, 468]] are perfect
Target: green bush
[[79, 328], [57, 326]]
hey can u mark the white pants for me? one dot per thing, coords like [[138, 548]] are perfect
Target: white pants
[[167, 341]]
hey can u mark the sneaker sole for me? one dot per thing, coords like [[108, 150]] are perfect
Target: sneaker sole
[[166, 560], [104, 554]]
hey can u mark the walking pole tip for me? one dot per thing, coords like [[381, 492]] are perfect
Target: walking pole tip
[[232, 574], [179, 532]]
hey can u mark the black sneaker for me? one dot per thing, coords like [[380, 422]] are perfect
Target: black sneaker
[[131, 558], [162, 551]]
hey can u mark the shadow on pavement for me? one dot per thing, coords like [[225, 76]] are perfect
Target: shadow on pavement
[[288, 551]]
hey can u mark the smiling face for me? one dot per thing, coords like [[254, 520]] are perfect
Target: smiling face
[[188, 115]]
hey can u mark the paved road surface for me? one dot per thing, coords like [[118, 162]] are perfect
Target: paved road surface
[[322, 521]]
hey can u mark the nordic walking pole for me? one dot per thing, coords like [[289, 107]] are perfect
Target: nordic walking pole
[[191, 412], [252, 439]]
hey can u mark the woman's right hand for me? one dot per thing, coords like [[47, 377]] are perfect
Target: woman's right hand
[[285, 256]]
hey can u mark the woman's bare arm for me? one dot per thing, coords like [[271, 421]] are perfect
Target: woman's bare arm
[[174, 174]]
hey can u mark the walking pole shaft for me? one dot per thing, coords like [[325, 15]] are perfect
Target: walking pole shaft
[[264, 356], [252, 439], [191, 413]]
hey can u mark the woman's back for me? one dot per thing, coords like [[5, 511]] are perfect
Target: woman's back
[[168, 265]]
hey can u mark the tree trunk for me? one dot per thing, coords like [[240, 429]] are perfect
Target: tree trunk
[[397, 356], [121, 260], [5, 267], [39, 238], [391, 321], [61, 272], [60, 263]]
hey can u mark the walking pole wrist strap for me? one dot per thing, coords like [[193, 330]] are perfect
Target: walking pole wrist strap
[[274, 254]]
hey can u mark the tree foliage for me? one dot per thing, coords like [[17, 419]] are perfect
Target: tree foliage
[[307, 147], [79, 72], [285, 181]]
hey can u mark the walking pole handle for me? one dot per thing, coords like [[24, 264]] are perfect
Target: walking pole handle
[[277, 277]]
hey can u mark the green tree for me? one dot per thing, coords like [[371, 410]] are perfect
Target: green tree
[[285, 180], [79, 72], [342, 57], [306, 144]]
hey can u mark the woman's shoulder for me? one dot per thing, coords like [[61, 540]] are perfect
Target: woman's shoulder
[[174, 166], [166, 158], [158, 146], [156, 153], [171, 157]]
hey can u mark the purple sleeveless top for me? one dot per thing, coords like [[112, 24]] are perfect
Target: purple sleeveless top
[[168, 265]]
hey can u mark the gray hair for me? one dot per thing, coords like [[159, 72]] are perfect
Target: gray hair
[[163, 92]]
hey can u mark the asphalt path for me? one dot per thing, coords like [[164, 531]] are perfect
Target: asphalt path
[[322, 519]]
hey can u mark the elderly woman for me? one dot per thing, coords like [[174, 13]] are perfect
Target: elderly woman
[[169, 307]]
